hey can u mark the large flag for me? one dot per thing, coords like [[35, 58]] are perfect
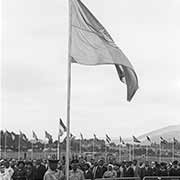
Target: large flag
[[108, 139], [35, 136], [136, 140], [91, 44]]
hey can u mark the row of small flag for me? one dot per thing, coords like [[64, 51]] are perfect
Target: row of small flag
[[162, 140], [63, 129]]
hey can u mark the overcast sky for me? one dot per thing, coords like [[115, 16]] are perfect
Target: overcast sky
[[34, 68]]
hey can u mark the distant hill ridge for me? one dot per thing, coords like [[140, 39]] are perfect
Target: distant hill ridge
[[167, 133]]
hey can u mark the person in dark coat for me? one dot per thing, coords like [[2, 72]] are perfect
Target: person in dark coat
[[98, 170], [29, 170], [129, 172], [156, 169], [39, 171], [146, 170], [163, 169], [20, 171]]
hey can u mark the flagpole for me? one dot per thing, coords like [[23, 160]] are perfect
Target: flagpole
[[80, 147], [19, 147], [160, 152], [146, 152], [105, 152], [120, 155], [32, 151], [93, 148], [45, 149], [173, 151], [129, 152], [68, 92], [58, 148], [5, 144], [133, 152]]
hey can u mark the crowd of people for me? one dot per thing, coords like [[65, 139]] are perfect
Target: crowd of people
[[81, 168]]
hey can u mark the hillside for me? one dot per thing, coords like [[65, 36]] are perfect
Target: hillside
[[167, 133]]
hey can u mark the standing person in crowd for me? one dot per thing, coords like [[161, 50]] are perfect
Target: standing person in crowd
[[38, 170], [99, 169], [20, 171], [75, 173], [146, 170], [129, 172], [174, 170], [53, 173], [110, 173], [8, 171], [163, 169], [29, 170], [88, 171], [136, 168], [122, 169]]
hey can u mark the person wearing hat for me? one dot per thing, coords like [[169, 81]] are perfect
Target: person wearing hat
[[53, 173], [75, 173]]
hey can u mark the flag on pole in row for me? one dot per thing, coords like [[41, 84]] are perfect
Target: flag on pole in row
[[13, 136], [148, 138], [175, 141], [62, 128], [48, 136], [62, 125], [91, 44], [108, 139], [163, 141], [35, 136], [81, 136], [23, 136], [95, 137], [136, 140], [121, 140], [72, 137]]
